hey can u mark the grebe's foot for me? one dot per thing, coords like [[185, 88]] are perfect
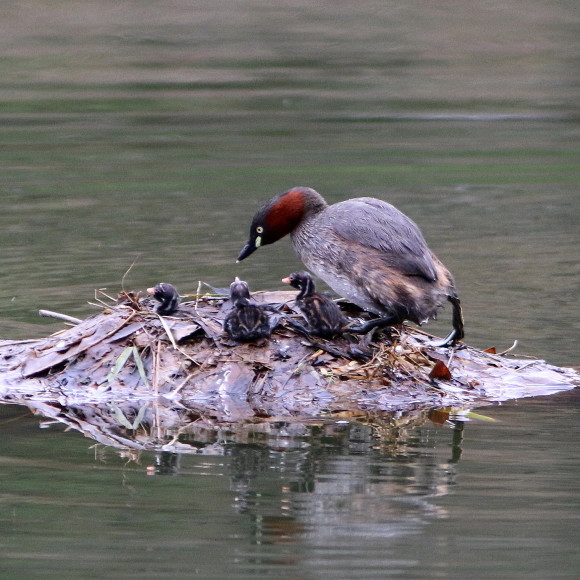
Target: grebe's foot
[[296, 326], [450, 340], [372, 324]]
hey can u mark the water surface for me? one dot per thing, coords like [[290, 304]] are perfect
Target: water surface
[[485, 501], [147, 134]]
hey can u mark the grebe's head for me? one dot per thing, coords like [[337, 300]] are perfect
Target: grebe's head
[[279, 217], [239, 290], [301, 281], [163, 291]]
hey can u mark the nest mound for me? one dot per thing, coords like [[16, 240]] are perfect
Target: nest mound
[[128, 377]]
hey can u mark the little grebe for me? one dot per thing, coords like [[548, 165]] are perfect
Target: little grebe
[[322, 314], [366, 250], [167, 296], [246, 321]]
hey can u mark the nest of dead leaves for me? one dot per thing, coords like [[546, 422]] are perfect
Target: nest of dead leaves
[[125, 372]]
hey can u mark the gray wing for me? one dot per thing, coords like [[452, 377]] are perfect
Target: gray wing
[[382, 226]]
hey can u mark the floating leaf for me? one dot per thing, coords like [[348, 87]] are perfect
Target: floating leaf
[[168, 331], [120, 416], [139, 417], [440, 371], [480, 417], [140, 366], [120, 363]]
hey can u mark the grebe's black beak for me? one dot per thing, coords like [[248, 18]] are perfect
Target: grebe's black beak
[[248, 249]]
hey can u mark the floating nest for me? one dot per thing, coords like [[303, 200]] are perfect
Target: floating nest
[[130, 378]]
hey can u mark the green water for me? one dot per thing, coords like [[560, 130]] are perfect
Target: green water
[[500, 501], [148, 133]]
